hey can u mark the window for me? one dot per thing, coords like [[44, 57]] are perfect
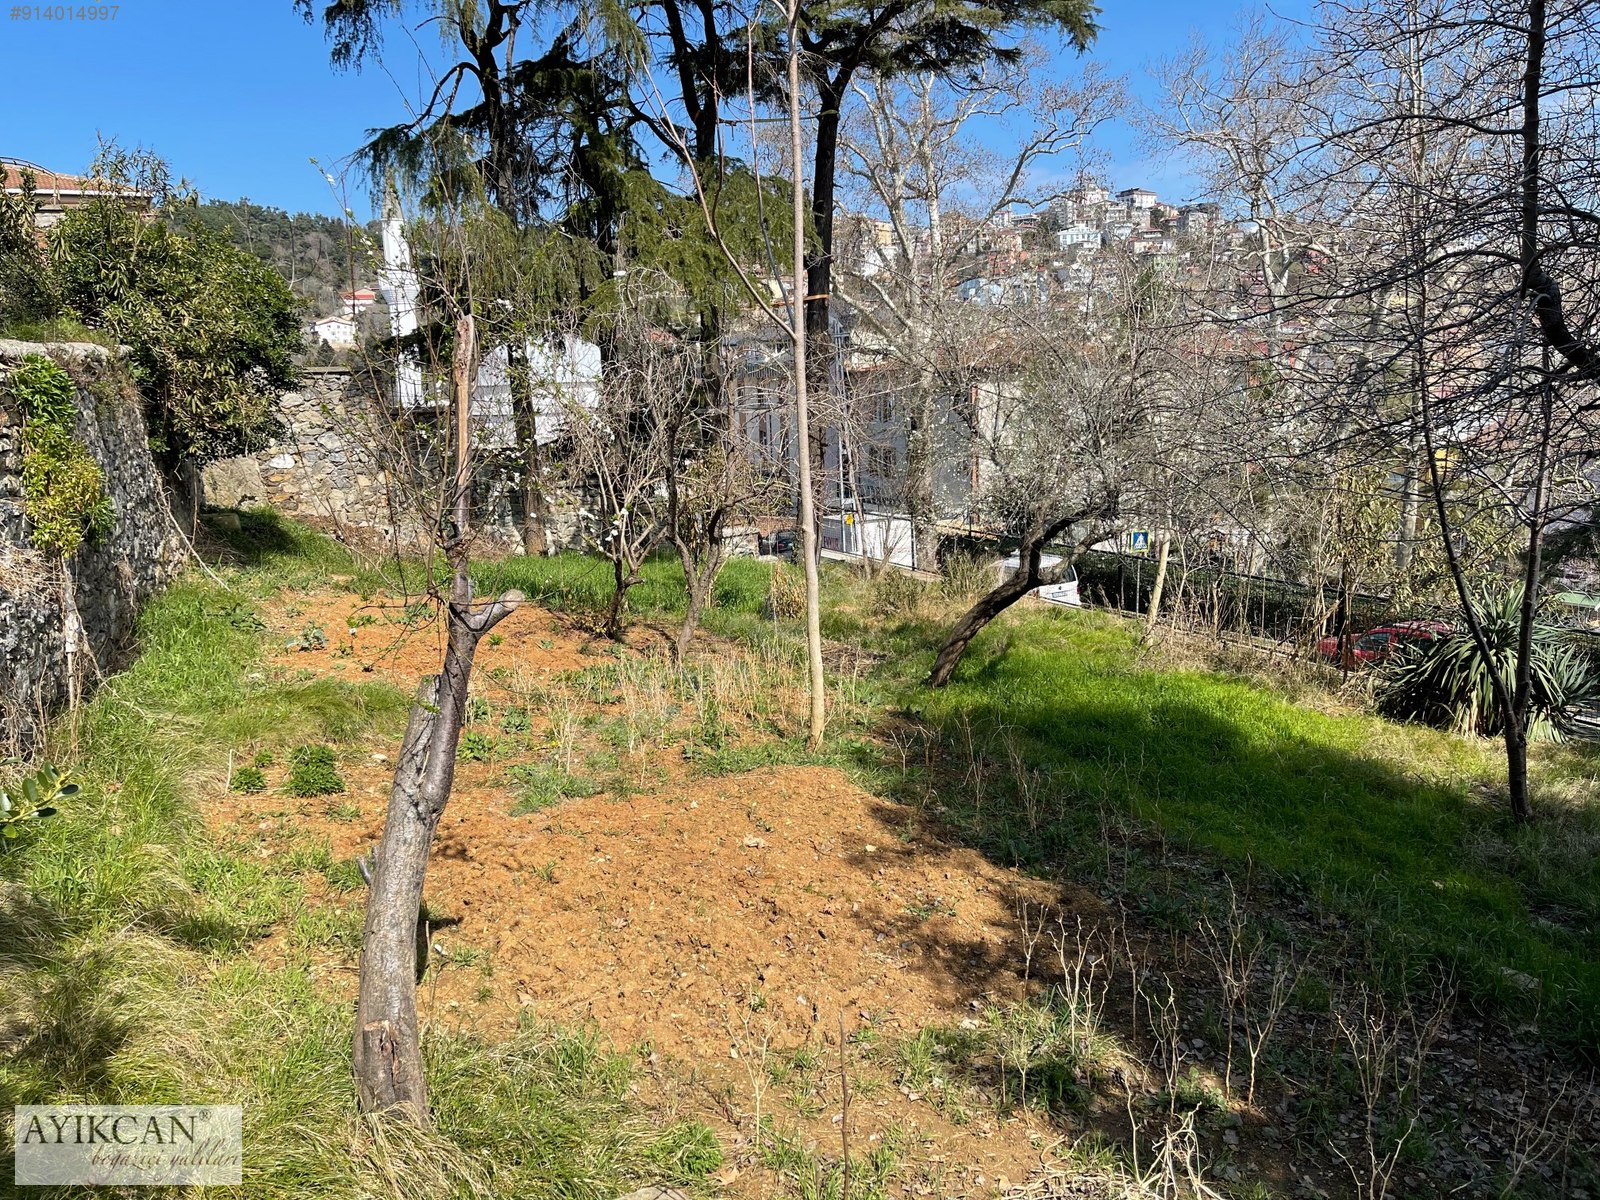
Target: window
[[881, 461]]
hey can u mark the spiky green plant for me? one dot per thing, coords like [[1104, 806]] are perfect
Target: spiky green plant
[[1447, 683]]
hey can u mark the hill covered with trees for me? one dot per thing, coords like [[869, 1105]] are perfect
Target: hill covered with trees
[[313, 252]]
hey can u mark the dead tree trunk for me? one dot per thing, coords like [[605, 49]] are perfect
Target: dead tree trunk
[[388, 1045]]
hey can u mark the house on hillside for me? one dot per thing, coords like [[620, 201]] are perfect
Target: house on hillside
[[357, 302], [338, 331], [55, 194]]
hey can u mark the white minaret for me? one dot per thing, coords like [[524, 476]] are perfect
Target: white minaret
[[398, 283]]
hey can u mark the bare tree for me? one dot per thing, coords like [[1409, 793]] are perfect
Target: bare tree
[[1064, 420], [1468, 285], [388, 1051], [788, 317], [712, 484], [621, 445], [933, 200]]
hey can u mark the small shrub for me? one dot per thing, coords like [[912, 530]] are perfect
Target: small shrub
[[515, 720], [34, 799], [786, 594], [541, 785], [63, 488], [263, 760], [895, 594], [249, 780], [1446, 682], [689, 1150], [964, 577], [313, 771], [475, 747], [311, 637]]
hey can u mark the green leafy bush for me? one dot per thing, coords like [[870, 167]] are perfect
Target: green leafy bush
[[213, 329], [313, 771], [1446, 683], [475, 747], [249, 780], [63, 488]]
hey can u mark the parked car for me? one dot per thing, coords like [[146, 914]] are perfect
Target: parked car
[[1064, 592], [1381, 642], [781, 544]]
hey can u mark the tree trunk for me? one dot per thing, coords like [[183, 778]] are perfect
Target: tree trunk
[[1517, 771], [620, 583], [1029, 576], [800, 315], [825, 165], [1154, 610], [695, 605], [1410, 511], [973, 621], [387, 1054], [700, 581], [921, 454], [535, 536]]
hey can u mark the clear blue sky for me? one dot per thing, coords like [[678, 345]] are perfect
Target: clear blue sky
[[239, 97]]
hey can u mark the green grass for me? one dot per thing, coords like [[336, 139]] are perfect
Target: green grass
[[574, 582], [1384, 826], [126, 929]]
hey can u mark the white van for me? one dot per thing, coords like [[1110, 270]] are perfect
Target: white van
[[1065, 592]]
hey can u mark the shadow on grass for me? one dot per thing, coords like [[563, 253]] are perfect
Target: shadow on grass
[[1052, 752]]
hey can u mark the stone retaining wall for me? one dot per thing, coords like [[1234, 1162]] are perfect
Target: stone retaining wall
[[324, 469], [107, 582]]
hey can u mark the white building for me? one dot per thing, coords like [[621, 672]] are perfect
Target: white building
[[338, 331], [357, 302], [1078, 235]]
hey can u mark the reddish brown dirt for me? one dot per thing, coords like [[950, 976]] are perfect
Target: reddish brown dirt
[[707, 922], [376, 638]]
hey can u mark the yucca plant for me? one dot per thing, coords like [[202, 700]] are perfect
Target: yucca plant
[[1447, 682]]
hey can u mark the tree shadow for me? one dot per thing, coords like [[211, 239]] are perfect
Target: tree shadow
[[1148, 805]]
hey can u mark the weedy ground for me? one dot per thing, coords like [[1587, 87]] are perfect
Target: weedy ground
[[1098, 919]]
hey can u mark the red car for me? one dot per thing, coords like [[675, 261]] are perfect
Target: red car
[[1380, 642]]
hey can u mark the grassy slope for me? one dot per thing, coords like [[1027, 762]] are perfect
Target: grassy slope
[[123, 907], [125, 934], [1391, 828]]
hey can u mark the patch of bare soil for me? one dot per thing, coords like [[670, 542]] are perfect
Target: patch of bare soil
[[725, 927]]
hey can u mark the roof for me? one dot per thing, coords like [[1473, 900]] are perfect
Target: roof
[[359, 294], [54, 183], [340, 318]]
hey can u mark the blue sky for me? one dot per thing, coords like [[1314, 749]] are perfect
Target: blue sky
[[239, 96]]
